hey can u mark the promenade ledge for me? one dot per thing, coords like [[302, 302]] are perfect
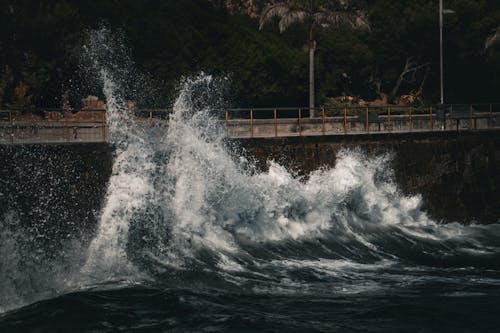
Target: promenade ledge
[[90, 126]]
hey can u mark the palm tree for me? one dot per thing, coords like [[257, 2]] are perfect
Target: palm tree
[[315, 14]]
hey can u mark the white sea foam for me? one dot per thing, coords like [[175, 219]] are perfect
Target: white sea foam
[[210, 201], [185, 193]]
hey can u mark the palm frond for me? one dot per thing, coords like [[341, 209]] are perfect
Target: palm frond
[[279, 9], [341, 19], [336, 14], [293, 16]]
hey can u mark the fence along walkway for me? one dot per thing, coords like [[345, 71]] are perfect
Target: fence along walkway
[[355, 120], [90, 125], [18, 127]]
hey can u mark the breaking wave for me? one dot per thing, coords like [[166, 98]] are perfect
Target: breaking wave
[[186, 202], [185, 207]]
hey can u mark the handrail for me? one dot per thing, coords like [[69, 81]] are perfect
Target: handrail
[[382, 108], [349, 119], [19, 127]]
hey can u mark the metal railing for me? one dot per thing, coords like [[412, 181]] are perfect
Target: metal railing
[[53, 127], [56, 126], [352, 120]]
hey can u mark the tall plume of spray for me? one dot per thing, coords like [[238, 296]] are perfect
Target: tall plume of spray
[[139, 189], [105, 58], [136, 195], [135, 192], [128, 191]]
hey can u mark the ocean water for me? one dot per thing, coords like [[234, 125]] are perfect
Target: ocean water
[[192, 237]]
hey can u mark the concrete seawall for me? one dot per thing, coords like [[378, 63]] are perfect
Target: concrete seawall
[[53, 194], [457, 174]]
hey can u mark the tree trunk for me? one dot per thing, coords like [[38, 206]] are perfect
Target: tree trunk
[[411, 66], [312, 47]]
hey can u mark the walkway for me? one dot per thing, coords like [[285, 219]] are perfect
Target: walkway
[[90, 125]]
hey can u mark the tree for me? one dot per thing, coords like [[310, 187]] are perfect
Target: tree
[[315, 14]]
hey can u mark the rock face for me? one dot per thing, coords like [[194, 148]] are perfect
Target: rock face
[[458, 175]]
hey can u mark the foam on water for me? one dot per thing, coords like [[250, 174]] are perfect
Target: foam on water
[[192, 196], [210, 200]]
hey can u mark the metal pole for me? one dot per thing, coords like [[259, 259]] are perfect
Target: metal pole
[[323, 120], [451, 117], [411, 120], [103, 120], [251, 123], [366, 124], [67, 130], [389, 118], [150, 119], [441, 62], [430, 118], [490, 122], [470, 117], [300, 122], [345, 119], [275, 124], [11, 127]]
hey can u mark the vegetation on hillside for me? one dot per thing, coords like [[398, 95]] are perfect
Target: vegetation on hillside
[[40, 43], [315, 15]]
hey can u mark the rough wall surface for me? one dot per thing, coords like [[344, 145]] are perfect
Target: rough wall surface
[[458, 175], [53, 192]]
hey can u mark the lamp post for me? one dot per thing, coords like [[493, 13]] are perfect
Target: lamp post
[[441, 49], [441, 62]]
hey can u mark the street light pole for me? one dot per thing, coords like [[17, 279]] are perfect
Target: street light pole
[[441, 48]]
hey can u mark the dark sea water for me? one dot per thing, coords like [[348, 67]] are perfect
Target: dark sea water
[[302, 293], [192, 238]]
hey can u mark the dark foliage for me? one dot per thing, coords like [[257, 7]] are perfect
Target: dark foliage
[[40, 43]]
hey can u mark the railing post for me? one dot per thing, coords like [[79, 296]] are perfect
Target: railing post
[[275, 124], [490, 123], [150, 119], [430, 118], [323, 120], [67, 129], [300, 121], [470, 117], [451, 117], [411, 119], [389, 118], [11, 121], [345, 119], [251, 123], [227, 122], [367, 128], [103, 125]]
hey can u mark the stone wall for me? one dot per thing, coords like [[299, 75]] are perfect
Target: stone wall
[[457, 174], [53, 193]]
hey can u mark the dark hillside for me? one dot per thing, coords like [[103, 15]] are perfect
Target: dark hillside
[[40, 44]]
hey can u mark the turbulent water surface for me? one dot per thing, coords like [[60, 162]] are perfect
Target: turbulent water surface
[[191, 237]]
